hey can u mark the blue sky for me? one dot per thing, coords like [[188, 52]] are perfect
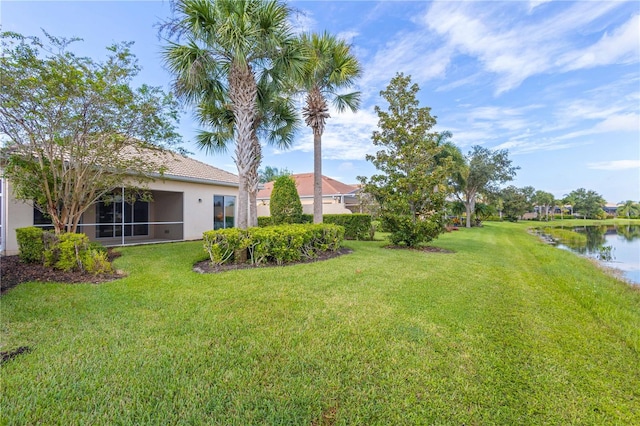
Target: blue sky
[[557, 83]]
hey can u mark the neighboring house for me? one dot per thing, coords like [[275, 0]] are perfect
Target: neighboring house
[[337, 197], [190, 198], [611, 209]]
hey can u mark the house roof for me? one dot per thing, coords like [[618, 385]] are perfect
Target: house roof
[[304, 185], [182, 167]]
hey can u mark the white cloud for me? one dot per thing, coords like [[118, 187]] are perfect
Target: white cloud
[[615, 165], [302, 21], [621, 46], [614, 123], [514, 47], [348, 36], [347, 136], [535, 3], [410, 54]]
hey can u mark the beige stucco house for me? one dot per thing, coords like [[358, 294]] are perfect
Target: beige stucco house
[[190, 198], [337, 197]]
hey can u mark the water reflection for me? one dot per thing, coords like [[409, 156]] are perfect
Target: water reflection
[[615, 246]]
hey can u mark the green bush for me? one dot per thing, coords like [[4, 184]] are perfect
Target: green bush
[[405, 231], [30, 244], [285, 205], [96, 260], [71, 251], [74, 252], [264, 221], [280, 244], [357, 226], [224, 245]]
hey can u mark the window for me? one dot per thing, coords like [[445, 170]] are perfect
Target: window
[[113, 217], [224, 211]]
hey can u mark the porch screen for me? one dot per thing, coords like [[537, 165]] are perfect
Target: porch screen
[[109, 216], [224, 211]]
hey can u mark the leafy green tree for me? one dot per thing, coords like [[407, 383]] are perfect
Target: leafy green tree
[[515, 202], [269, 174], [285, 205], [484, 171], [331, 67], [588, 203], [74, 127], [628, 208], [223, 49], [544, 201], [413, 184]]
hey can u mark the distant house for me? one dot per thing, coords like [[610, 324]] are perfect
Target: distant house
[[611, 209], [190, 198], [337, 197]]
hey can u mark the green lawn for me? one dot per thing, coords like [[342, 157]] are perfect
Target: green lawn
[[506, 330]]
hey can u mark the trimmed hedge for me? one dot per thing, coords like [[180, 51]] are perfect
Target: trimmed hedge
[[357, 226], [267, 221], [30, 244], [68, 251], [280, 244]]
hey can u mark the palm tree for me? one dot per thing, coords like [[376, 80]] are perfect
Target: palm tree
[[276, 121], [223, 48], [331, 66], [628, 208]]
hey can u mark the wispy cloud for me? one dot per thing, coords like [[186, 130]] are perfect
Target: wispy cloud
[[613, 123], [520, 47], [622, 45], [347, 136], [615, 165]]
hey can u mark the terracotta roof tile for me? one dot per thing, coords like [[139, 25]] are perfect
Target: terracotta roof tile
[[180, 167], [186, 167], [304, 185]]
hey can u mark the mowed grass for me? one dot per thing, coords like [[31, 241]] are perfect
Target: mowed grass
[[505, 330]]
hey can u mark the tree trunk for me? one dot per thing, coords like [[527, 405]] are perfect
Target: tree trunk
[[470, 206], [317, 178], [315, 114], [253, 180], [243, 93]]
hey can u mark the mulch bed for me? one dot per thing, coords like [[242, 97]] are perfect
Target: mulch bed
[[14, 272], [205, 267]]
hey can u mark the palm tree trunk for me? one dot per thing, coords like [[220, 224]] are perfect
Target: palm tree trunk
[[253, 180], [317, 178], [243, 93]]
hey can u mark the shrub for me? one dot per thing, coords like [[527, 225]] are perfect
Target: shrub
[[30, 244], [404, 230], [356, 226], [223, 245], [285, 205], [71, 251], [264, 221], [96, 261], [280, 244]]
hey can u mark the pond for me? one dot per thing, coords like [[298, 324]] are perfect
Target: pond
[[614, 246]]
